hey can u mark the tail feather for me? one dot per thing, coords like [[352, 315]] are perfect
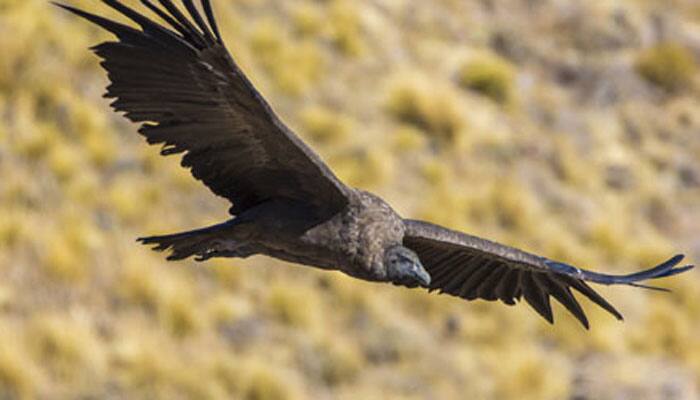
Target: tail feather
[[185, 244]]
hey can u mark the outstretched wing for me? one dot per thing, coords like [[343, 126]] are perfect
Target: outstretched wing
[[181, 83], [470, 267]]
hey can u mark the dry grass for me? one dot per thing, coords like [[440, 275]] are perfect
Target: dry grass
[[435, 111], [19, 376], [324, 125], [522, 122], [489, 76], [670, 66]]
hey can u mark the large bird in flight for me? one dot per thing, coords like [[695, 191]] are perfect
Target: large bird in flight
[[178, 81]]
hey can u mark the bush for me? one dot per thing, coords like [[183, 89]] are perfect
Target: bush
[[308, 20], [266, 385], [275, 53], [68, 349], [324, 125], [346, 28], [433, 111], [18, 375], [489, 76], [669, 66], [293, 306]]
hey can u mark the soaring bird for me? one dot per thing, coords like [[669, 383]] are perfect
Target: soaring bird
[[177, 80]]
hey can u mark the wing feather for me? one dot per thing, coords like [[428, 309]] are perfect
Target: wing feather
[[192, 9], [470, 267], [487, 288], [210, 17], [564, 296], [179, 81], [505, 289]]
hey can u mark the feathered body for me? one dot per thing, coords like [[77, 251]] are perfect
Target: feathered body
[[352, 241]]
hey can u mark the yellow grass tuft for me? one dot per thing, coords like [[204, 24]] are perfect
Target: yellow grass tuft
[[67, 349], [324, 125], [12, 228], [294, 306], [341, 365], [265, 385], [363, 168], [36, 142], [490, 76], [19, 376], [408, 138], [180, 314], [64, 258], [168, 297], [101, 148], [248, 379], [435, 112], [130, 197], [225, 309], [308, 19], [150, 365], [345, 23], [64, 160], [666, 330], [140, 284], [276, 53], [513, 205], [670, 66], [228, 273], [608, 235], [531, 374], [230, 373]]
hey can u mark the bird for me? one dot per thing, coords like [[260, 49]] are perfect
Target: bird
[[176, 79]]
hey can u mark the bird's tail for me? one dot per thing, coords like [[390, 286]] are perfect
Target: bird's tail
[[186, 244]]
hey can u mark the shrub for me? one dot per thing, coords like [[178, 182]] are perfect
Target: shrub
[[532, 374], [408, 138], [308, 20], [489, 76], [331, 362], [64, 254], [64, 160], [669, 66], [324, 125], [179, 314], [294, 306], [68, 348], [276, 53], [433, 111], [363, 168], [340, 365], [346, 31], [12, 228], [263, 384], [18, 375]]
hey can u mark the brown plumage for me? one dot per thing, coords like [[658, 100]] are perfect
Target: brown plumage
[[180, 83]]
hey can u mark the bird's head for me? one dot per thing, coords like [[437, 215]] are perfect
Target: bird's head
[[404, 267]]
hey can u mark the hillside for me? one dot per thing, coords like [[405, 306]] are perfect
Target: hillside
[[568, 128]]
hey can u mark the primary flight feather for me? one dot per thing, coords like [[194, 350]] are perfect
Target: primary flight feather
[[178, 81]]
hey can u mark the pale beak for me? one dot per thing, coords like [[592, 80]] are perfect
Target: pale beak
[[421, 275]]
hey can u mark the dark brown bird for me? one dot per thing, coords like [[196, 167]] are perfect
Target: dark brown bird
[[179, 81]]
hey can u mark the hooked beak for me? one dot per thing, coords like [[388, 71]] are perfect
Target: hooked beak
[[421, 275]]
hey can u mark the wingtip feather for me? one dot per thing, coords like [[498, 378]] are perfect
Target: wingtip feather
[[663, 270], [212, 20]]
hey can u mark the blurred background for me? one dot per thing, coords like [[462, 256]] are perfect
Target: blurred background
[[570, 128]]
